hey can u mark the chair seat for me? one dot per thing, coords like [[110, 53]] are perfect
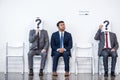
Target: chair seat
[[37, 56], [86, 49], [14, 55]]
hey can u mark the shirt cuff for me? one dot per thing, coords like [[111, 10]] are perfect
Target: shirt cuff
[[57, 50], [64, 49]]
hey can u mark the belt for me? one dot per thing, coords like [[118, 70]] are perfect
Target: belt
[[107, 49]]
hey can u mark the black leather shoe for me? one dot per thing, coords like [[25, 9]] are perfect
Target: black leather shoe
[[31, 72], [106, 74], [112, 74], [41, 72]]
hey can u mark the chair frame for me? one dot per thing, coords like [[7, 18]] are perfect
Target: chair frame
[[7, 55], [90, 57]]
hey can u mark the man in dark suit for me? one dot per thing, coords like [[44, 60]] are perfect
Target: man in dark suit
[[39, 41], [61, 44], [108, 46]]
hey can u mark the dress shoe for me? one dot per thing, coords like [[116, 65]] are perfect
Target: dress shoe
[[106, 74], [66, 73], [112, 74], [31, 72], [55, 74], [41, 72]]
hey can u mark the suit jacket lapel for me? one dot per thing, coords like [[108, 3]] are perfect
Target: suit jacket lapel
[[58, 36], [103, 36], [110, 38], [40, 34], [64, 36]]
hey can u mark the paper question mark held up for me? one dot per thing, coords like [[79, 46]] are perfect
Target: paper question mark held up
[[39, 21], [107, 23]]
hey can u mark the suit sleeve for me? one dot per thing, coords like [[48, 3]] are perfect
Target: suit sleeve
[[97, 36], [46, 41], [53, 46], [70, 43], [116, 43], [32, 36]]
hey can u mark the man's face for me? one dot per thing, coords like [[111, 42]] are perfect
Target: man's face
[[61, 27]]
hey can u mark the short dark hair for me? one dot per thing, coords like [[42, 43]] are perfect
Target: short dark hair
[[59, 23]]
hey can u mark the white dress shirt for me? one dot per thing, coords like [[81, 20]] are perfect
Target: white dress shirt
[[63, 40], [60, 38]]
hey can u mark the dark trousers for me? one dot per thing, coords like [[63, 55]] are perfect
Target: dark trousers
[[108, 53], [36, 52], [65, 56]]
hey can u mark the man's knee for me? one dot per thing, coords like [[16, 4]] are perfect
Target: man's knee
[[114, 55], [105, 54], [57, 54], [30, 53], [44, 55], [66, 53]]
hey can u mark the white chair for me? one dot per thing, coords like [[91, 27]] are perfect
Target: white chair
[[15, 50], [85, 52], [101, 68]]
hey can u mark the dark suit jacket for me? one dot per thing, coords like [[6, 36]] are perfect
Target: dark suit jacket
[[55, 42], [43, 40], [113, 40]]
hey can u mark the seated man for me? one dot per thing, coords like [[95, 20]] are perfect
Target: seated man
[[108, 46], [61, 44], [39, 46]]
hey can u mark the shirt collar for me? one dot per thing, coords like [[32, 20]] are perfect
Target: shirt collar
[[62, 32], [107, 32]]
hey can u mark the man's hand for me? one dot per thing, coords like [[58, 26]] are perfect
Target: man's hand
[[37, 31], [100, 27], [61, 50], [112, 50], [43, 51]]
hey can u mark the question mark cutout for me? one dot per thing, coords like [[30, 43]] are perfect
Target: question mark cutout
[[107, 23], [39, 21]]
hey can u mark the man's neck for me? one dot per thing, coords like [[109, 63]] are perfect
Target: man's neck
[[106, 31], [61, 31]]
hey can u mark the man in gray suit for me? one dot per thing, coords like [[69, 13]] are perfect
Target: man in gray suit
[[39, 46], [108, 46]]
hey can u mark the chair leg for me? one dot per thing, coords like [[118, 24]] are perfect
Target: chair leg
[[23, 59], [76, 68], [6, 64], [23, 68], [92, 66]]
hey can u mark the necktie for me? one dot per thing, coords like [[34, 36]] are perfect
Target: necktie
[[106, 40], [38, 41], [61, 40]]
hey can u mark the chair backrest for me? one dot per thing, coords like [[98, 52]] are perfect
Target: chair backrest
[[15, 49], [84, 49]]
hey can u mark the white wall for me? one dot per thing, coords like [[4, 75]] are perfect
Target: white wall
[[17, 16]]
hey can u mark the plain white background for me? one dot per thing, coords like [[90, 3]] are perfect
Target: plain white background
[[17, 18]]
